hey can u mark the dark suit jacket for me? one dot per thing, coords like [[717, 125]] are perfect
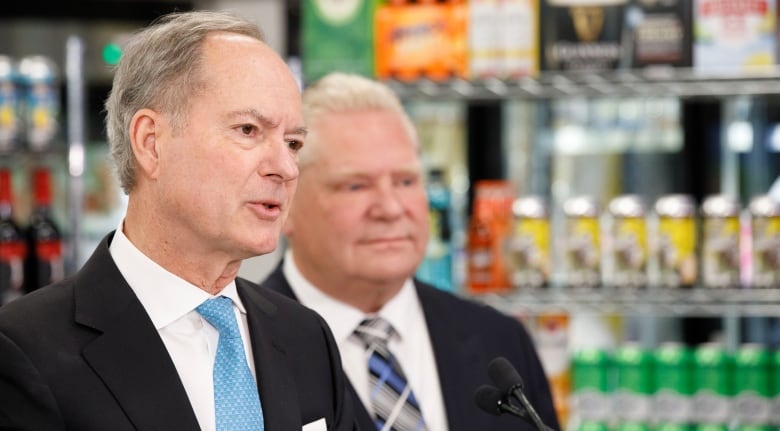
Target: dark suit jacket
[[83, 355], [466, 336]]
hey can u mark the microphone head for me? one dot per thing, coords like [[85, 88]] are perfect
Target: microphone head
[[504, 375], [489, 399]]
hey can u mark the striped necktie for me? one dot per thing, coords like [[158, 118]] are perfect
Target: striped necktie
[[236, 401], [394, 406]]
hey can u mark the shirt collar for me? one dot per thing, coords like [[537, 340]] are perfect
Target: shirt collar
[[343, 318], [165, 296]]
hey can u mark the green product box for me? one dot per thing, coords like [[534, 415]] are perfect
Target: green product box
[[337, 35]]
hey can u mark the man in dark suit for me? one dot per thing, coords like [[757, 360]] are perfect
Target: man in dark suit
[[155, 332], [357, 231]]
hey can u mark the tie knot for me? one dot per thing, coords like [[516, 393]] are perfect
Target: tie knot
[[219, 313], [375, 331]]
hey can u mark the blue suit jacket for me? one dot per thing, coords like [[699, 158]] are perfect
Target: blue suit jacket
[[466, 336], [83, 355]]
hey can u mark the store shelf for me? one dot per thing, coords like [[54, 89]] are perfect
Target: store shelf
[[699, 302], [649, 82]]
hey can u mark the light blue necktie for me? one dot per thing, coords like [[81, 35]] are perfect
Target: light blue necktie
[[236, 401]]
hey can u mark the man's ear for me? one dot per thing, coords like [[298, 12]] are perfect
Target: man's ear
[[145, 128]]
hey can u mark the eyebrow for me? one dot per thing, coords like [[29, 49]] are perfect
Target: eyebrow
[[265, 121]]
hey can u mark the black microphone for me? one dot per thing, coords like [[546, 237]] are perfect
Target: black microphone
[[509, 382], [491, 400]]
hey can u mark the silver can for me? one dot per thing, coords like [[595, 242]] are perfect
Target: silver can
[[628, 242], [676, 247], [720, 249], [10, 122], [39, 78], [765, 238]]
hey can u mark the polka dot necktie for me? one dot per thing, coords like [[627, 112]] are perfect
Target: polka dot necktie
[[392, 401], [236, 401]]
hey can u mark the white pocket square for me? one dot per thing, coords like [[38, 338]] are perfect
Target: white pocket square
[[318, 425]]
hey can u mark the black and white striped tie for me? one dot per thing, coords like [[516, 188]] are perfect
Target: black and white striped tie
[[394, 406]]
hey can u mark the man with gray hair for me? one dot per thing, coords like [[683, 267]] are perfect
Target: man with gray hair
[[357, 231], [156, 332]]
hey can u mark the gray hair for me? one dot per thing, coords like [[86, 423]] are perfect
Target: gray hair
[[159, 70], [342, 92]]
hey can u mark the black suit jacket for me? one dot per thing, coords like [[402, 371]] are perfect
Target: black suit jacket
[[83, 355], [466, 336]]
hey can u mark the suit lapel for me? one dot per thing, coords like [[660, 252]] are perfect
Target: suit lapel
[[276, 385], [129, 355], [458, 355]]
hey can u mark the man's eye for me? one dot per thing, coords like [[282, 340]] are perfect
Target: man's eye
[[247, 129], [295, 144]]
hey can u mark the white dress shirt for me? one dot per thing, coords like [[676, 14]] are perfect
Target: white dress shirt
[[411, 344], [191, 341]]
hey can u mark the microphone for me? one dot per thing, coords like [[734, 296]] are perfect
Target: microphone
[[491, 400], [509, 382]]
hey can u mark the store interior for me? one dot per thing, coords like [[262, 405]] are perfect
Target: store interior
[[553, 143]]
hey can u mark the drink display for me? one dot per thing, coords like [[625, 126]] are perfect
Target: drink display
[[590, 385], [436, 268], [634, 384], [720, 254], [713, 378], [676, 250], [41, 101], [10, 123], [752, 385], [13, 248], [765, 239], [529, 243], [673, 373], [628, 250], [44, 264], [582, 248]]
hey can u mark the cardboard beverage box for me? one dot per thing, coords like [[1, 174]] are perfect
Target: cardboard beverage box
[[337, 35], [734, 35], [581, 34]]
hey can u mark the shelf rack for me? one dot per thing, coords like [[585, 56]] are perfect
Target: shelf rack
[[686, 83], [659, 302]]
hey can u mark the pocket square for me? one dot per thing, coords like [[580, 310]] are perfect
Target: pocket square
[[318, 425]]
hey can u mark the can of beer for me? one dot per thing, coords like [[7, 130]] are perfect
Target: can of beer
[[674, 388], [582, 249], [752, 390], [529, 242], [628, 239], [10, 123], [633, 396], [713, 380], [39, 77], [775, 370], [590, 384], [633, 426], [676, 247], [721, 263], [765, 238]]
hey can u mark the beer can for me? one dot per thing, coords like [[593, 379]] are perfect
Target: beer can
[[674, 388], [721, 257], [582, 250], [765, 239], [676, 247], [634, 383], [628, 242], [39, 77], [752, 390], [711, 427], [633, 426], [488, 231], [664, 426], [592, 426], [590, 384], [10, 123], [713, 380], [529, 242], [775, 371]]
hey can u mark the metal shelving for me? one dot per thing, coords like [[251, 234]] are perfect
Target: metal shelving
[[685, 83]]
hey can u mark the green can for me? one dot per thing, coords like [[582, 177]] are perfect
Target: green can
[[587, 425], [590, 384], [674, 427], [711, 427], [634, 383], [672, 403], [775, 388], [633, 426], [713, 380], [752, 385]]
